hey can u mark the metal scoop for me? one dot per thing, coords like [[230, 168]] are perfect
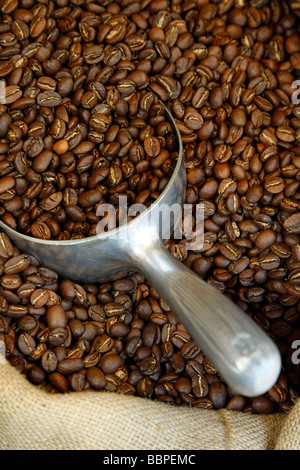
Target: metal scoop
[[245, 357]]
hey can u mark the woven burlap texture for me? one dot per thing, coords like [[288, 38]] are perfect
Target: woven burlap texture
[[32, 419]]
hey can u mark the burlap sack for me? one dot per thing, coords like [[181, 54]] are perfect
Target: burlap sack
[[32, 419]]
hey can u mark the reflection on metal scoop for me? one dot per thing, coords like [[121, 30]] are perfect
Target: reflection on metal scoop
[[245, 357]]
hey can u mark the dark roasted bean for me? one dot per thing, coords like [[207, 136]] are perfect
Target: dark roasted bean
[[262, 405], [49, 361], [59, 381], [70, 366], [56, 317], [217, 394], [26, 343], [110, 363], [96, 378]]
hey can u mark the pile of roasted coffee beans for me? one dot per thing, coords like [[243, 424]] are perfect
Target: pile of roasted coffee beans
[[118, 336], [70, 150], [81, 123]]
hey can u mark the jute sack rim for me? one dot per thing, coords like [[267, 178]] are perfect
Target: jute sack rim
[[32, 419]]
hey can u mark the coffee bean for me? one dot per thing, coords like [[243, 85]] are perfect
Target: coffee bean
[[183, 385], [42, 161], [60, 147], [39, 297], [17, 264], [26, 343], [11, 281], [6, 248], [269, 261], [58, 381], [96, 378], [217, 394], [15, 310], [3, 324], [56, 317], [90, 198], [49, 99], [49, 361], [118, 329], [12, 94], [57, 336], [49, 203], [77, 381], [70, 366], [110, 363], [123, 285], [199, 385], [230, 251], [6, 183], [145, 387], [265, 239], [36, 375], [237, 403], [274, 185], [277, 394], [292, 224], [40, 230], [27, 323], [262, 405]]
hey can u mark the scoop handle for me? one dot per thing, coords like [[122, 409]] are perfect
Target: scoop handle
[[245, 357]]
